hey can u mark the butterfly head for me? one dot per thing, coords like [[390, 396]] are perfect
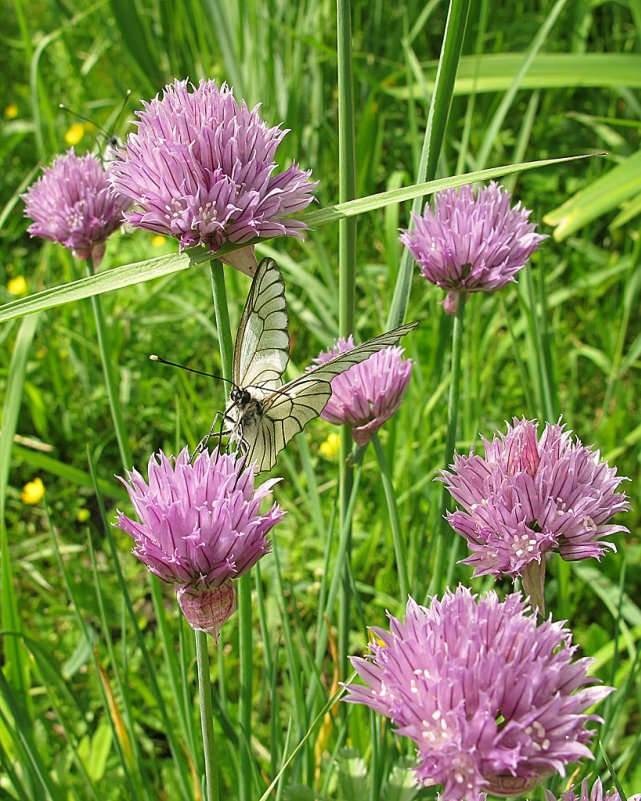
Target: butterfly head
[[240, 396]]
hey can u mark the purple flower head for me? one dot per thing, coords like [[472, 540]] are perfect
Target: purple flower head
[[201, 168], [368, 394], [200, 527], [73, 204], [594, 794], [470, 244], [492, 700], [532, 495]]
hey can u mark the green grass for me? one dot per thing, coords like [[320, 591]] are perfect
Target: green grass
[[98, 690]]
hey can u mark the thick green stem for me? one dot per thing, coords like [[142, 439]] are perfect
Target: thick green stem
[[347, 281], [245, 630], [221, 311], [438, 115], [206, 718], [400, 551], [450, 443], [111, 381]]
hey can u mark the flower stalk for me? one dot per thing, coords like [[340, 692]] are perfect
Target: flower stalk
[[245, 622], [111, 382], [212, 792], [450, 439]]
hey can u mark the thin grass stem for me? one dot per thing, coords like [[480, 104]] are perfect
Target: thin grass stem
[[347, 280], [400, 551]]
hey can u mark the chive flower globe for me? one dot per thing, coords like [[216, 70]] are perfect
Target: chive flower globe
[[202, 168], [594, 794], [368, 394], [531, 495], [200, 527], [73, 204], [493, 700], [471, 244]]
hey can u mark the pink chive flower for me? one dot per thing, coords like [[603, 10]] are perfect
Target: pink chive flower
[[528, 496], [73, 204], [492, 699], [200, 527], [201, 168], [594, 794], [368, 394], [469, 244]]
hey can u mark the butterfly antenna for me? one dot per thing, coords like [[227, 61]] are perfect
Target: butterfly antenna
[[159, 359], [84, 118], [122, 108]]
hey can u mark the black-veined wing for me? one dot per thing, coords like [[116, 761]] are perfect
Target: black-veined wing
[[286, 411], [261, 351]]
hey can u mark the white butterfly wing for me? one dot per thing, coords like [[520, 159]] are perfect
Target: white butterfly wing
[[261, 351], [288, 410]]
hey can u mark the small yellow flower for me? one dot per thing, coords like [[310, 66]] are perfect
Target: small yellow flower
[[75, 133], [17, 285], [11, 111], [158, 241], [33, 491], [82, 515], [329, 449]]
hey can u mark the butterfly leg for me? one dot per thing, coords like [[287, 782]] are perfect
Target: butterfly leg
[[212, 434]]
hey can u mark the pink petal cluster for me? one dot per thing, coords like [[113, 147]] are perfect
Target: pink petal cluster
[[202, 166], [492, 699], [529, 496], [470, 244], [200, 527], [594, 794], [368, 394], [73, 204]]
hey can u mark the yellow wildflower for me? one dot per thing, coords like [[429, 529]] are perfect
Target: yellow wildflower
[[329, 449], [11, 111], [75, 133], [82, 515], [33, 491], [17, 285], [158, 241]]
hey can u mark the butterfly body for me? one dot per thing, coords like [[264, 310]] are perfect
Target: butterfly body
[[264, 412]]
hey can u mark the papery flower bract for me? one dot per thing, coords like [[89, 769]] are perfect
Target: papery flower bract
[[594, 794], [369, 393], [73, 204], [201, 168], [492, 700], [200, 527], [529, 496], [469, 244]]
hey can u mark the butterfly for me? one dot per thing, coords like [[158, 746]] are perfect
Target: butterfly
[[265, 413]]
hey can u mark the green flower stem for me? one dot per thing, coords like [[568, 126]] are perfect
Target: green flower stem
[[346, 285], [206, 718], [111, 382], [400, 551], [245, 630], [451, 48], [221, 311], [450, 442]]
